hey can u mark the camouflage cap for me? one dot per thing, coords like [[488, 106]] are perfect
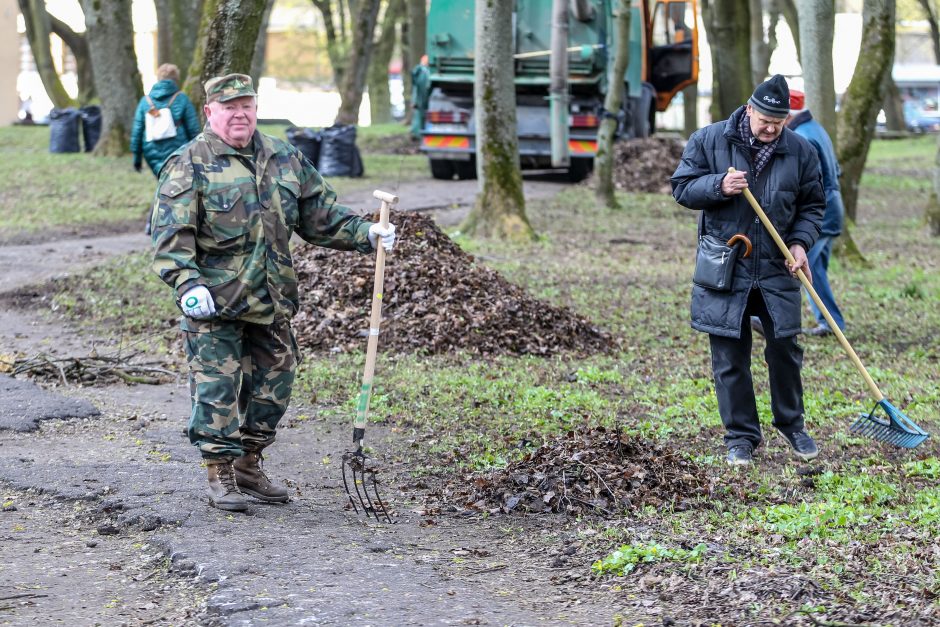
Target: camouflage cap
[[229, 87]]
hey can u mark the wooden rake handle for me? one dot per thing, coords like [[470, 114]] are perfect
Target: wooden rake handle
[[812, 292], [365, 392]]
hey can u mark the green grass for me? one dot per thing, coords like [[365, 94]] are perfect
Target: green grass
[[46, 195], [868, 512]]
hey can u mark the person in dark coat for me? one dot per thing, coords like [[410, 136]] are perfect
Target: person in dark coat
[[801, 121], [782, 171]]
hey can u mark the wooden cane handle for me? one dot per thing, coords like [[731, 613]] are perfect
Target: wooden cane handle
[[740, 237]]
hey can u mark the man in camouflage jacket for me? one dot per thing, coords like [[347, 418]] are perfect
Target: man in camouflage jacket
[[226, 207]]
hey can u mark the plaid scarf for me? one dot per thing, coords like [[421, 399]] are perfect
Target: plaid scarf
[[760, 152]]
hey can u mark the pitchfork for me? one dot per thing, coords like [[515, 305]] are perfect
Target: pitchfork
[[358, 469], [894, 427]]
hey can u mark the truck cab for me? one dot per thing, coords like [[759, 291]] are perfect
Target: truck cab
[[663, 60]]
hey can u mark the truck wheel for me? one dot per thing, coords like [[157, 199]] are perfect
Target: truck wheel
[[580, 169], [442, 169], [466, 170]]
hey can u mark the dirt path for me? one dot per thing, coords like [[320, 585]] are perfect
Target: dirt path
[[104, 519]]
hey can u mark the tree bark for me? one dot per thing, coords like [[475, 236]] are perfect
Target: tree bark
[[893, 106], [606, 153], [690, 110], [38, 27], [261, 44], [932, 212], [415, 33], [499, 210], [380, 100], [78, 44], [354, 80], [110, 36], [817, 25], [184, 30], [729, 36], [791, 16], [931, 15], [226, 43], [760, 46], [337, 41], [164, 31], [864, 96]]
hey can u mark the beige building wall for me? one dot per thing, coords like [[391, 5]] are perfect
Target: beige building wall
[[9, 62]]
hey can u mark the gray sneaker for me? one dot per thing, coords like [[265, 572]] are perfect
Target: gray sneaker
[[740, 455], [802, 444]]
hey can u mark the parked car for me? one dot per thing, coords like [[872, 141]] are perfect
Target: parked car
[[922, 121]]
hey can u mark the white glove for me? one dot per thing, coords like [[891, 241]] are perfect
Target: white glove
[[388, 236], [197, 303]]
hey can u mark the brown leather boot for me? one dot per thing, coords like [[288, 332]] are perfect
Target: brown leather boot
[[252, 480], [223, 492]]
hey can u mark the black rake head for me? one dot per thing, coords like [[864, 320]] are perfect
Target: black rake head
[[893, 427], [362, 486]]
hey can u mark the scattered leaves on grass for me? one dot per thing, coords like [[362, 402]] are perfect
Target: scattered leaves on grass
[[585, 471]]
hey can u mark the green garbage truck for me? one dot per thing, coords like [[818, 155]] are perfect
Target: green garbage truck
[[663, 60]]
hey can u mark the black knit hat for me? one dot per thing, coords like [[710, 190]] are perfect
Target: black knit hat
[[772, 97]]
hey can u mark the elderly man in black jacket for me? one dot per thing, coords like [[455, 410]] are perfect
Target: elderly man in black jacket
[[782, 171]]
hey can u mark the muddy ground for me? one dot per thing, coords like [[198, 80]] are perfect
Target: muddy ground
[[104, 520]]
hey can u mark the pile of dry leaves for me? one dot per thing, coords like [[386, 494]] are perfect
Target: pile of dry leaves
[[645, 165], [437, 299], [586, 471]]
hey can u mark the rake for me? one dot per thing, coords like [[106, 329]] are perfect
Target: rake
[[892, 425], [359, 471]]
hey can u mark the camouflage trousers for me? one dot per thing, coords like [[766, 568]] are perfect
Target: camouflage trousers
[[240, 380]]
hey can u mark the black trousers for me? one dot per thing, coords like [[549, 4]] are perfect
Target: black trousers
[[731, 366]]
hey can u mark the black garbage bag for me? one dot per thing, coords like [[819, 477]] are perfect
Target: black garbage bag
[[307, 141], [63, 130], [339, 155], [91, 126]]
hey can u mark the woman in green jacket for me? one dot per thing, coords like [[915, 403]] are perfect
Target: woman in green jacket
[[164, 94]]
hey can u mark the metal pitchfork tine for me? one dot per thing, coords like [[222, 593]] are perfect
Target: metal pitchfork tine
[[357, 466], [895, 428]]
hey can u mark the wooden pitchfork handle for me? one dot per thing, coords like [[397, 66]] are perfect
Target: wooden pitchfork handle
[[365, 392], [812, 292]]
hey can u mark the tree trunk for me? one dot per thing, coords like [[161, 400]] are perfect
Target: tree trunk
[[226, 43], [184, 30], [760, 49], [817, 25], [78, 44], [416, 29], [407, 62], [791, 16], [729, 36], [893, 105], [110, 36], [864, 96], [932, 212], [38, 27], [606, 150], [164, 31], [380, 100], [499, 210], [931, 16], [354, 80], [690, 110], [337, 41], [261, 44]]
